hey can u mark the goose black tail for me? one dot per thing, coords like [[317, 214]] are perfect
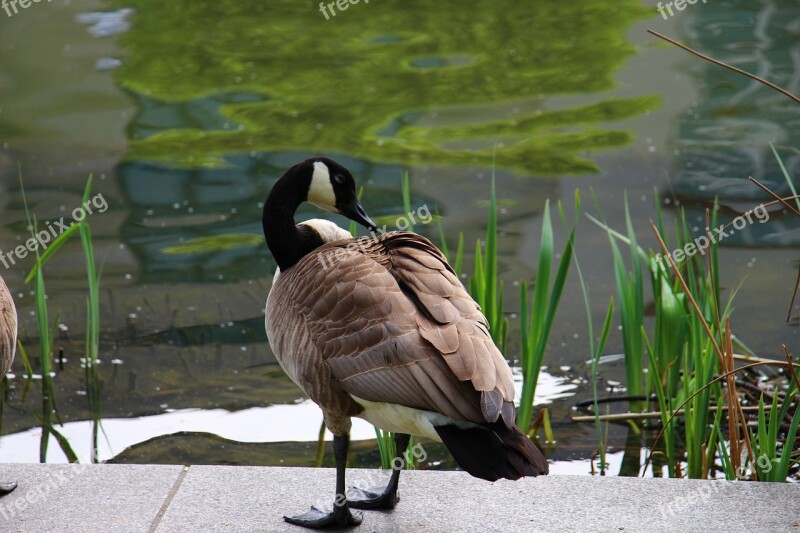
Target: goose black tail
[[493, 451]]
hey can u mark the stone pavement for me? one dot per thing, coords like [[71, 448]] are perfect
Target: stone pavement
[[159, 498]]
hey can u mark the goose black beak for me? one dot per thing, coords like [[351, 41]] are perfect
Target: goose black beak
[[354, 211]]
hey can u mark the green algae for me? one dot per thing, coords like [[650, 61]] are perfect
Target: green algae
[[216, 243], [349, 85]]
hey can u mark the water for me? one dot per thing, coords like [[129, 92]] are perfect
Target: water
[[187, 112]]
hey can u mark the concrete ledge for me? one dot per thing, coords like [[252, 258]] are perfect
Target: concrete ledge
[[111, 498], [141, 498]]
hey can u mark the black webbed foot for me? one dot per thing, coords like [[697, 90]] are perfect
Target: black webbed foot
[[316, 518], [341, 516], [382, 497], [373, 498]]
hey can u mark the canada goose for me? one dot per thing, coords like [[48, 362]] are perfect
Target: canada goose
[[381, 328], [8, 344]]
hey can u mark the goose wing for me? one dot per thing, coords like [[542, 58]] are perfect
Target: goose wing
[[394, 324]]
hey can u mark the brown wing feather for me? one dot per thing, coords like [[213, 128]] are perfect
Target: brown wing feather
[[394, 324]]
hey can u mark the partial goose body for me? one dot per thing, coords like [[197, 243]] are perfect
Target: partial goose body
[[381, 328], [8, 345], [8, 328]]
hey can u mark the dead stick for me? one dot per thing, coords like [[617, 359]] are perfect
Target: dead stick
[[622, 417], [729, 67], [791, 367], [794, 295], [777, 198]]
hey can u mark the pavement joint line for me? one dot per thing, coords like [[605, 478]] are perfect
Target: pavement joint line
[[164, 506]]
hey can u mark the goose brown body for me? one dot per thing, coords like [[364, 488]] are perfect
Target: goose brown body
[[381, 328], [386, 320]]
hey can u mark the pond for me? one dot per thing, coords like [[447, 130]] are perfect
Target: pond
[[186, 112]]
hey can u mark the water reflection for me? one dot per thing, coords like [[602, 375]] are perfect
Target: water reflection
[[292, 82], [204, 224], [296, 422], [723, 138], [228, 94]]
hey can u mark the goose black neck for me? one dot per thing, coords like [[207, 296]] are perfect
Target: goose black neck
[[287, 244]]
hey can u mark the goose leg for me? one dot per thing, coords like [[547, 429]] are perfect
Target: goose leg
[[7, 487], [383, 497], [340, 516]]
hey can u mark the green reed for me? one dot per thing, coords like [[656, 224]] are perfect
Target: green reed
[[47, 333], [537, 316], [596, 352], [484, 284], [689, 354]]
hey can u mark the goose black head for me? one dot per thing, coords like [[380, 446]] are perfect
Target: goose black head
[[324, 183], [332, 188]]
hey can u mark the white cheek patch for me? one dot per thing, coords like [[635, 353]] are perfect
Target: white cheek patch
[[320, 193]]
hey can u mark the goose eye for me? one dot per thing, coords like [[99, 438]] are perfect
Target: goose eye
[[338, 179]]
